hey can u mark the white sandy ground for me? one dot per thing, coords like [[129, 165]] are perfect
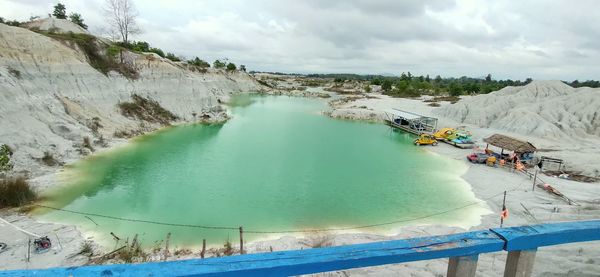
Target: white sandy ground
[[581, 259]]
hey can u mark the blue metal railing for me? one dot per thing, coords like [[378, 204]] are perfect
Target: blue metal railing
[[286, 263]]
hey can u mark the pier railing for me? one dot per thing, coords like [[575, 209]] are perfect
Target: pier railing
[[521, 244]]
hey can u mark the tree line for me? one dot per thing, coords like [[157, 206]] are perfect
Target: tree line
[[409, 85]]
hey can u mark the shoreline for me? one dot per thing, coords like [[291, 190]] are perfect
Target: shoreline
[[482, 182]]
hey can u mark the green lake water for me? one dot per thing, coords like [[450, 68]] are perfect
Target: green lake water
[[277, 165]]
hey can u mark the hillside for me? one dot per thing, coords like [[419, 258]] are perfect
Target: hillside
[[54, 101], [546, 109]]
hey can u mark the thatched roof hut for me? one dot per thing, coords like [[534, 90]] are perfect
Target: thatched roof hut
[[510, 144]]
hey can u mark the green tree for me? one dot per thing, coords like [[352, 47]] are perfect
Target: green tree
[[231, 67], [488, 78], [376, 81], [402, 86], [219, 64], [172, 57], [472, 87], [386, 85], [60, 11], [76, 18], [438, 79], [199, 62], [455, 89], [404, 77]]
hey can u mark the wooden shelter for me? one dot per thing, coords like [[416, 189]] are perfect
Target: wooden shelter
[[511, 144]]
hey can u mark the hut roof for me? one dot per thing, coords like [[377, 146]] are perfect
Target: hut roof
[[510, 144]]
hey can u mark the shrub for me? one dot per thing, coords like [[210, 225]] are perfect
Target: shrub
[[87, 248], [264, 83], [15, 192], [132, 252], [386, 85], [227, 249], [172, 57], [199, 63], [5, 154], [219, 64], [146, 109], [49, 160], [92, 50], [14, 72], [231, 67], [113, 50]]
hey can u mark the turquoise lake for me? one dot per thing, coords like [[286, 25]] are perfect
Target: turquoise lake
[[277, 165]]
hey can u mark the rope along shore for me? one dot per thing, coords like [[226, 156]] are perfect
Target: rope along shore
[[273, 231]]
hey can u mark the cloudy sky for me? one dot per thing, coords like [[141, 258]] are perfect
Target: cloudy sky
[[509, 39]]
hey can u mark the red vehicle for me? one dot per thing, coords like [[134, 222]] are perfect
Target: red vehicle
[[477, 158]]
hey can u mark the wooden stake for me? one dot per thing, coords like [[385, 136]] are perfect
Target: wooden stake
[[203, 248], [503, 208], [534, 179], [241, 240], [29, 249], [166, 254]]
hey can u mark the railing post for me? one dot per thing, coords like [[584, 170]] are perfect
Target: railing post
[[520, 263], [462, 266]]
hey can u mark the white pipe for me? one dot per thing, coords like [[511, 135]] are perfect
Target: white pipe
[[20, 229]]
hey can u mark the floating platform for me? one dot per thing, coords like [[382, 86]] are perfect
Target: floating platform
[[411, 122], [458, 145]]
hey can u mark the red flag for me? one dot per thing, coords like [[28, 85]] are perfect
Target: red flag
[[504, 213]]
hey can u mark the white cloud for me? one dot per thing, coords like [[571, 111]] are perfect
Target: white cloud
[[510, 39]]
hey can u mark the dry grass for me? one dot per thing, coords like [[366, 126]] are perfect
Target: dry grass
[[132, 252], [451, 99], [87, 249], [146, 109], [49, 160], [15, 192]]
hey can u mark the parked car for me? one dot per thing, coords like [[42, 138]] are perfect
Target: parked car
[[477, 158]]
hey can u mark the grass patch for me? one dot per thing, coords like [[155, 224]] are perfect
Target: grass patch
[[100, 57], [132, 252], [146, 109], [15, 192], [451, 99], [87, 249], [264, 83]]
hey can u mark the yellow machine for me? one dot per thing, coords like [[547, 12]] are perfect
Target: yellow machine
[[444, 133], [426, 139]]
